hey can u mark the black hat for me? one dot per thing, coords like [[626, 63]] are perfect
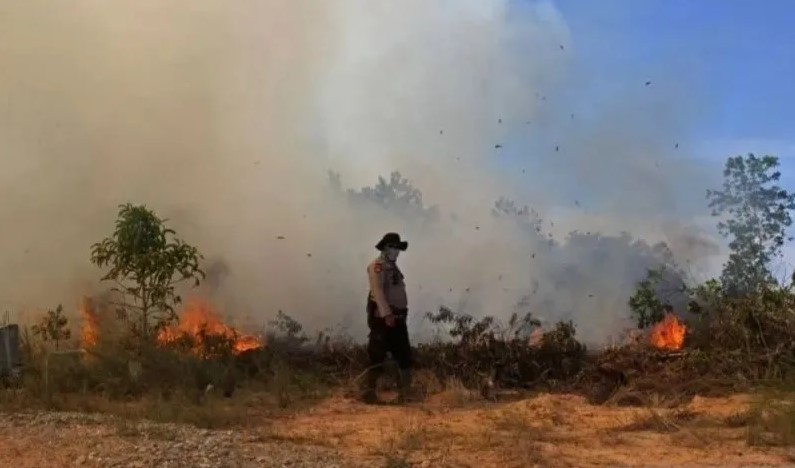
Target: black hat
[[391, 239]]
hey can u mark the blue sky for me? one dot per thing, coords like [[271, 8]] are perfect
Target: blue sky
[[745, 50], [726, 66], [738, 56]]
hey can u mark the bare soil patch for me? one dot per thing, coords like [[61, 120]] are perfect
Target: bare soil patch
[[543, 430]]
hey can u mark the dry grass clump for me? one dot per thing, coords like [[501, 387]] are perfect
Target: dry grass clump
[[771, 419], [165, 383]]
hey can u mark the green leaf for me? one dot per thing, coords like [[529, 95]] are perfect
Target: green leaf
[[145, 256]]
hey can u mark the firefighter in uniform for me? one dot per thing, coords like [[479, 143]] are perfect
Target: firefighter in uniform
[[387, 311]]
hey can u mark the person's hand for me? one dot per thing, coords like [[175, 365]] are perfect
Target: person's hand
[[390, 320]]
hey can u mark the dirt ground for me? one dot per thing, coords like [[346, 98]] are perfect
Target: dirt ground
[[546, 430], [445, 431]]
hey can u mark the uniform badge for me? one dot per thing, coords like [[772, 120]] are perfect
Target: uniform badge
[[377, 268]]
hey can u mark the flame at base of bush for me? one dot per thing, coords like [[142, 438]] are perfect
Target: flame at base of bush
[[89, 331], [201, 329], [669, 334]]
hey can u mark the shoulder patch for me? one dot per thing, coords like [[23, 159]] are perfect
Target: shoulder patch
[[377, 267]]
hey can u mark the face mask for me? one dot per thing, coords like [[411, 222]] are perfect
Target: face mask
[[392, 253]]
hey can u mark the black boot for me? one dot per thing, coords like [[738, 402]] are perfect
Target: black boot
[[405, 393], [369, 395]]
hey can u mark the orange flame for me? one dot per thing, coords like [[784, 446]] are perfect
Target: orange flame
[[669, 334], [536, 338], [198, 320], [89, 332]]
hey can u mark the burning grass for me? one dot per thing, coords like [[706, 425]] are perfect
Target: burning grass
[[198, 371], [201, 331], [668, 335], [201, 360]]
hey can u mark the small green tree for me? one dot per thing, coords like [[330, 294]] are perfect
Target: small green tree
[[146, 262], [54, 327], [646, 305], [756, 215]]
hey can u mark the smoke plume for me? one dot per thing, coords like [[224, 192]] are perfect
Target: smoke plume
[[226, 116]]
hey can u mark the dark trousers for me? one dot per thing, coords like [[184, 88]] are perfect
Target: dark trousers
[[384, 339]]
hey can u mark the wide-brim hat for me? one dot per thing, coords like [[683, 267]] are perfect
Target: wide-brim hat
[[392, 239]]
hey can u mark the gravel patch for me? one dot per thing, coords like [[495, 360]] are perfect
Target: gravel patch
[[47, 439]]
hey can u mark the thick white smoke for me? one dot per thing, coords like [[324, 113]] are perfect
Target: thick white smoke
[[225, 117]]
